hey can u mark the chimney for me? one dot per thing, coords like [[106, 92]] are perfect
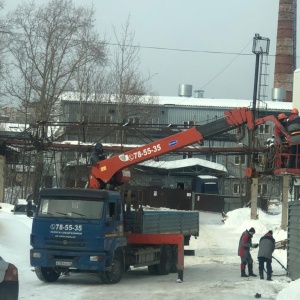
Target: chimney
[[285, 61]]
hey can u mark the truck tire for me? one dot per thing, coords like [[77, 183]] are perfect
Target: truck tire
[[174, 250], [152, 269], [46, 274], [163, 268], [114, 275]]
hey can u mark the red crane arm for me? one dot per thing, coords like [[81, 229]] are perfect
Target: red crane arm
[[110, 169], [107, 168]]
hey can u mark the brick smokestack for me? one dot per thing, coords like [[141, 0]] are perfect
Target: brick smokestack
[[285, 61]]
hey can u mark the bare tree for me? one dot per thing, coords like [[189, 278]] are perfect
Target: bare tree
[[89, 86], [121, 82], [4, 42], [125, 82], [50, 44]]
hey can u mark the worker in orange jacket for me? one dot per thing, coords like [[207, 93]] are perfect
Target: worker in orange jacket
[[279, 138], [293, 128]]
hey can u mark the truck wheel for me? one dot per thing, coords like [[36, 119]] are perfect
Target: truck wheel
[[173, 268], [163, 268], [152, 269], [46, 274], [117, 269], [127, 268]]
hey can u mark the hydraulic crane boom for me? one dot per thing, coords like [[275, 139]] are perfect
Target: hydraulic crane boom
[[276, 122], [114, 169]]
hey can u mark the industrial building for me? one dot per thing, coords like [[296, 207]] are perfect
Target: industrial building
[[223, 156]]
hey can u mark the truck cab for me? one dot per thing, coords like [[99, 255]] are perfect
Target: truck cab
[[76, 229]]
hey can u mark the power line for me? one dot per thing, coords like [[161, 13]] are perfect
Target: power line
[[237, 55], [183, 50]]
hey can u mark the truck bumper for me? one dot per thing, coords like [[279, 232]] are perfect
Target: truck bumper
[[77, 260]]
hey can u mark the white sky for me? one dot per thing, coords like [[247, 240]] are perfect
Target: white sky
[[212, 274], [197, 25]]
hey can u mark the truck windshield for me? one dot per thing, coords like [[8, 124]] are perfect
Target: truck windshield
[[71, 208]]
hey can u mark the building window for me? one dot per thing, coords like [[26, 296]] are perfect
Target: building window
[[105, 119], [264, 129], [188, 124], [155, 121], [239, 160], [212, 158], [261, 159], [238, 189], [262, 189]]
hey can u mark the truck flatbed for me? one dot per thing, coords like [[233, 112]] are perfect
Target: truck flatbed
[[163, 221]]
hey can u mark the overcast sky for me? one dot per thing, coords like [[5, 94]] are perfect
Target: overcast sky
[[201, 27]]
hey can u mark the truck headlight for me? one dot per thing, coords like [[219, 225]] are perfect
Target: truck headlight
[[95, 258], [36, 254]]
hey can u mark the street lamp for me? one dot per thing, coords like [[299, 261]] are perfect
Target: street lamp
[[260, 47]]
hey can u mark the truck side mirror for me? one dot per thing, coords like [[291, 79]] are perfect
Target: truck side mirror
[[30, 213], [30, 208]]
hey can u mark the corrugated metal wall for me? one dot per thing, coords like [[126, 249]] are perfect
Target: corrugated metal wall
[[293, 252]]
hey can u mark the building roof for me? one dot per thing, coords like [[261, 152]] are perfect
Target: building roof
[[12, 127], [223, 103], [188, 101], [185, 163]]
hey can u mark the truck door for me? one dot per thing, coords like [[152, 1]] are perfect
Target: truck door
[[112, 219]]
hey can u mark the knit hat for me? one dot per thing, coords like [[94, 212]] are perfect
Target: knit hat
[[252, 230], [270, 232]]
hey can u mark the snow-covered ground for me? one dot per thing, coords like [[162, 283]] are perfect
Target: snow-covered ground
[[213, 273]]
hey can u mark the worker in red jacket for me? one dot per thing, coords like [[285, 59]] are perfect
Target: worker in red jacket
[[245, 244]]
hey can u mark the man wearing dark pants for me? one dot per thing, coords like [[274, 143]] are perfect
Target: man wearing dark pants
[[266, 248], [244, 252]]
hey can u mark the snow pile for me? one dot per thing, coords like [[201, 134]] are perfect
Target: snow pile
[[239, 220], [212, 274], [292, 292]]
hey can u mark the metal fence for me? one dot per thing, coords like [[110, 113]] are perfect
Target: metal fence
[[293, 254]]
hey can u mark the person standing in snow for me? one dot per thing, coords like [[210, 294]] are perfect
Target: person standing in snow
[[245, 244], [266, 248]]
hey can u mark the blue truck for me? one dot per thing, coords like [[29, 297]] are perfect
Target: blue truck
[[85, 230]]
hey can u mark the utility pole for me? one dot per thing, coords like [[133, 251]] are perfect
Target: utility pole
[[260, 46], [285, 194]]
